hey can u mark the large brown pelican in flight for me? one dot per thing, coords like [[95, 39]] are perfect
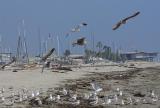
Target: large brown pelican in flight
[[123, 21], [80, 41]]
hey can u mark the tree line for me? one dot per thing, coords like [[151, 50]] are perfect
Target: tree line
[[102, 51]]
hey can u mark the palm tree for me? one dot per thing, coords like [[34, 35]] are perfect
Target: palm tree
[[106, 52], [67, 53], [99, 46], [105, 47], [109, 52]]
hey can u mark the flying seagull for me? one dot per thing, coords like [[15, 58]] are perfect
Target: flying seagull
[[44, 58], [12, 60], [123, 21], [80, 41], [83, 24], [77, 28]]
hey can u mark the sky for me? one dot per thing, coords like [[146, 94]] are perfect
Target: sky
[[57, 17]]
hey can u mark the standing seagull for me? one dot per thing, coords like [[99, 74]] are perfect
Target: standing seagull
[[96, 87], [123, 21]]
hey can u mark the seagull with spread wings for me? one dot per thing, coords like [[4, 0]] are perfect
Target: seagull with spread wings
[[76, 28], [123, 21], [80, 41]]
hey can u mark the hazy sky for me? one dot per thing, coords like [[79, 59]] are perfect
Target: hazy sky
[[59, 16]]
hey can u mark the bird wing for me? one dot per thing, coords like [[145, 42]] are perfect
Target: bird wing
[[134, 15], [76, 29], [47, 55], [117, 25], [83, 24], [80, 40]]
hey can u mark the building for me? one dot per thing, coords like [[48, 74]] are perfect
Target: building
[[143, 56], [5, 58]]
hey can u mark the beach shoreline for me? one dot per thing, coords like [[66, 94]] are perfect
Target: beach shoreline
[[109, 77]]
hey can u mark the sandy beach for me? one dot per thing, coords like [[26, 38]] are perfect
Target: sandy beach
[[142, 78], [33, 78]]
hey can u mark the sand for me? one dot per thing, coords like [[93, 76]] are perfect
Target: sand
[[33, 78], [110, 75]]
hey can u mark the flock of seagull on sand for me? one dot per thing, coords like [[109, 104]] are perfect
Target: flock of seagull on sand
[[66, 96]]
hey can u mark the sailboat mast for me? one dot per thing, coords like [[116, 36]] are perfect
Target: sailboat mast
[[39, 42], [25, 44], [58, 44]]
